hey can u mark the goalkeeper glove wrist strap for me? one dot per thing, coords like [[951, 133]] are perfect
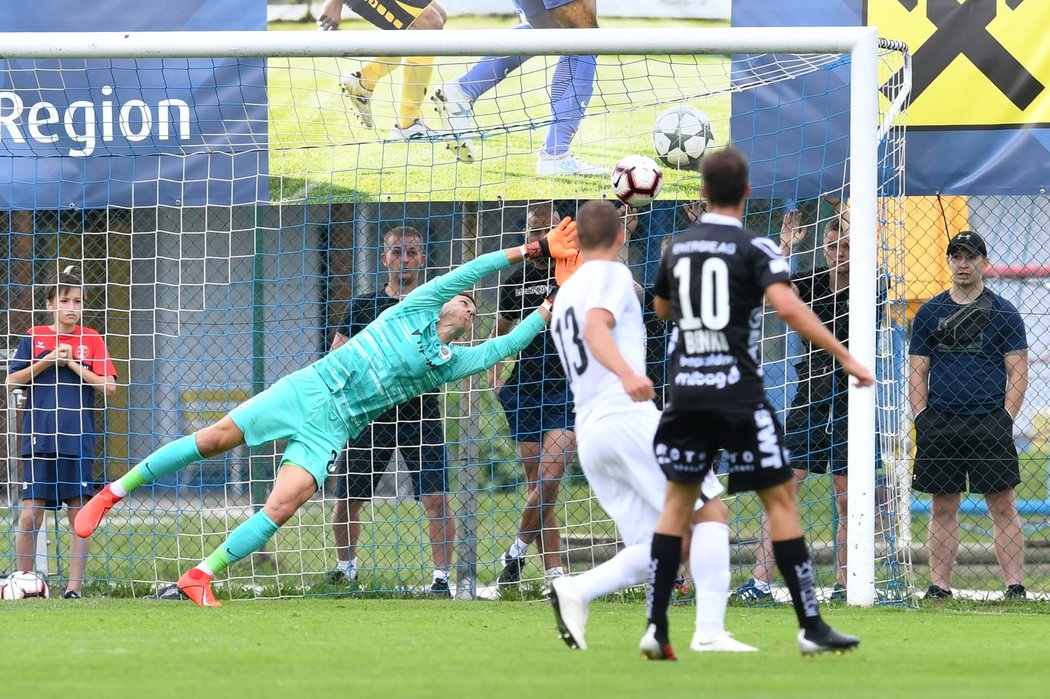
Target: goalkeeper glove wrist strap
[[536, 249]]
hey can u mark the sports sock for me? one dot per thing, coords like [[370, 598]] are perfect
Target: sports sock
[[629, 567], [168, 459], [242, 541], [518, 548], [417, 72], [794, 564], [571, 88], [666, 553], [375, 70], [347, 566], [554, 572], [709, 566], [440, 574], [490, 71]]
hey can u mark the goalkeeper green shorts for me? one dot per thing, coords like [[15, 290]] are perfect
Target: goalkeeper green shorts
[[298, 408]]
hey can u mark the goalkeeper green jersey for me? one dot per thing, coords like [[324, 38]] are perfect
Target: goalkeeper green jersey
[[399, 355]]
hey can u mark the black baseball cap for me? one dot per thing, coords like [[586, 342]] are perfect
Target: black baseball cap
[[968, 241]]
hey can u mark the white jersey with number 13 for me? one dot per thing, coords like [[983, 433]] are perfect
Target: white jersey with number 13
[[607, 285]]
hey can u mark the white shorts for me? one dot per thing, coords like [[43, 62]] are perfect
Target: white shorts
[[616, 454]]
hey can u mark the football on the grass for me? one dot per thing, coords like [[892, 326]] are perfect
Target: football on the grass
[[636, 180], [681, 136], [23, 585]]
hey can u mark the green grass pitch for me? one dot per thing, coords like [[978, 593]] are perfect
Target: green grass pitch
[[428, 648], [320, 153]]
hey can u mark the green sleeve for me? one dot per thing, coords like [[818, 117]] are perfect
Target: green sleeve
[[437, 291], [470, 360]]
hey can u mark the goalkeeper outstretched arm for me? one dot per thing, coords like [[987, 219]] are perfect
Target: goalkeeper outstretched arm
[[469, 361], [559, 244]]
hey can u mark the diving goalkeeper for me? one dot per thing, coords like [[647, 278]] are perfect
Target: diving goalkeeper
[[403, 353]]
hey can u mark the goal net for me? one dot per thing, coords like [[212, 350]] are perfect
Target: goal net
[[232, 217]]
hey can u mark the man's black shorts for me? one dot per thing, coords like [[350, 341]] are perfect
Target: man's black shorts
[[687, 443], [958, 453], [533, 409], [421, 444], [816, 426]]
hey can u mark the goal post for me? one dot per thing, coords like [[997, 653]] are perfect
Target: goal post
[[303, 139]]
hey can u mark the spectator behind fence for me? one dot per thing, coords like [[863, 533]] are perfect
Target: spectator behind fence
[[538, 406], [413, 428], [969, 372], [62, 365], [815, 429]]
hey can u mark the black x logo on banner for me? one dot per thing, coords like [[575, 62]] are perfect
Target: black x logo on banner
[[962, 30]]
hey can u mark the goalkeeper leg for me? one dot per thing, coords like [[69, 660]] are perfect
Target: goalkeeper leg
[[293, 487], [210, 441]]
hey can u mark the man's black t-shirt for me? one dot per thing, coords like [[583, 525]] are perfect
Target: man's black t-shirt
[[715, 276], [520, 293], [361, 312], [832, 307]]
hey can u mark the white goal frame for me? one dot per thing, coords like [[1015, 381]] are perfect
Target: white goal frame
[[861, 43]]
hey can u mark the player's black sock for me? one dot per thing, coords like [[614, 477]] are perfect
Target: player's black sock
[[666, 555], [795, 565]]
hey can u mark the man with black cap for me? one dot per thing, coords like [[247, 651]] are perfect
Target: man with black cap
[[969, 372]]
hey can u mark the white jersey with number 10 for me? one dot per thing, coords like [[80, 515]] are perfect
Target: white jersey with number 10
[[607, 285]]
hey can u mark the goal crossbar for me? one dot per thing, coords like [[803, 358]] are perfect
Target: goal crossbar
[[449, 42]]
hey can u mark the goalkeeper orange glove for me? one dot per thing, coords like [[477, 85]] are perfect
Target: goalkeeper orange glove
[[559, 243], [565, 267]]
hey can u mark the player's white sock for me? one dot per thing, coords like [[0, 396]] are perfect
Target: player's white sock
[[347, 566], [518, 548], [440, 574], [628, 567], [204, 568], [554, 572], [709, 565], [117, 490]]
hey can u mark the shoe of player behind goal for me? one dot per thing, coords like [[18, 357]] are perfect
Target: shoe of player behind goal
[[511, 573], [825, 640], [456, 109], [655, 649], [570, 612], [360, 98], [91, 514], [416, 130], [567, 165], [196, 584], [723, 644]]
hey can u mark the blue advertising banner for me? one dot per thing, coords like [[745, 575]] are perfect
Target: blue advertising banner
[[129, 132], [796, 133], [979, 121]]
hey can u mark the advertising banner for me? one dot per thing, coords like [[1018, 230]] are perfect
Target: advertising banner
[[130, 132]]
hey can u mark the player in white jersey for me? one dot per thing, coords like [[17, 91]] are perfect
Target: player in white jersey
[[598, 330]]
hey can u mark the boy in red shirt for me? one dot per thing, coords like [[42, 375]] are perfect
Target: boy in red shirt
[[62, 365]]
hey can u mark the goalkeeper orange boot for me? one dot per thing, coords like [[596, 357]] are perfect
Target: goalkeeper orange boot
[[196, 584], [91, 514]]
